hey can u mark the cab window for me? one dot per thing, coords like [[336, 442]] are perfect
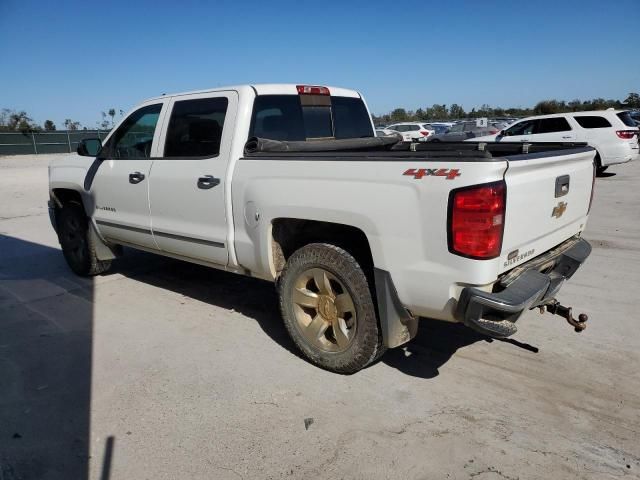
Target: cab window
[[522, 128], [134, 137], [304, 117], [195, 128]]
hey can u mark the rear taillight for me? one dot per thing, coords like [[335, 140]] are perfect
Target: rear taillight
[[493, 132], [476, 220], [626, 134], [312, 90], [593, 186], [425, 133]]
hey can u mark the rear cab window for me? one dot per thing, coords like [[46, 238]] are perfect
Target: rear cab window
[[592, 121], [308, 117]]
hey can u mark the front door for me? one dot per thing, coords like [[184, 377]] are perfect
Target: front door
[[188, 181], [119, 182]]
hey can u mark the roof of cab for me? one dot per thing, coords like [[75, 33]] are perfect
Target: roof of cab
[[264, 89]]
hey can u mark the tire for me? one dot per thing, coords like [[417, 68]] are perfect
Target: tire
[[328, 308], [599, 168], [77, 246]]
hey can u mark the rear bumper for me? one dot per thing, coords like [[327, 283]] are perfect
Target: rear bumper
[[526, 287]]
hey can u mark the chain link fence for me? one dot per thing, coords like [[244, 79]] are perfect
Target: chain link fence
[[60, 141]]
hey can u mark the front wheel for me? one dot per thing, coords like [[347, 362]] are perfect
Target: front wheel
[[77, 246], [328, 309]]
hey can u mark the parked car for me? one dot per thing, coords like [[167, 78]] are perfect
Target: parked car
[[463, 131], [438, 128], [412, 131], [361, 240], [635, 116], [385, 132], [613, 133]]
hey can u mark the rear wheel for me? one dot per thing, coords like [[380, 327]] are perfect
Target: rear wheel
[[77, 246], [599, 168], [328, 308]]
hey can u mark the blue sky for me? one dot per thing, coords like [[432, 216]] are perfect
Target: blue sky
[[76, 58]]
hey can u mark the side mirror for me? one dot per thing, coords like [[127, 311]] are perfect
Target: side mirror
[[89, 147], [502, 133]]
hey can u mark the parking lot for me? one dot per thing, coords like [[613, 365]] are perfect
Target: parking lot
[[163, 369]]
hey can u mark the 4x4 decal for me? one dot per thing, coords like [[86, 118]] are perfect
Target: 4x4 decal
[[449, 174]]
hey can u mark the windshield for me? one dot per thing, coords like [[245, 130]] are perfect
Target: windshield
[[287, 118]]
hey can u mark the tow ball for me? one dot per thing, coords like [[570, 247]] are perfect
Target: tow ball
[[565, 312]]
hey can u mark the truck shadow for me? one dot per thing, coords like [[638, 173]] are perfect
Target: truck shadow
[[46, 336], [434, 345]]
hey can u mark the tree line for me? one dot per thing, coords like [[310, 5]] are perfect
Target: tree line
[[20, 121], [544, 107]]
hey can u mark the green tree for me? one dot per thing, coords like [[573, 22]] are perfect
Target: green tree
[[399, 115], [633, 100], [112, 114], [456, 111], [49, 125], [71, 125]]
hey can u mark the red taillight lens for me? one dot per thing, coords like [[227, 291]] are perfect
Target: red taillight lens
[[425, 133], [312, 90], [476, 220], [492, 132], [626, 134]]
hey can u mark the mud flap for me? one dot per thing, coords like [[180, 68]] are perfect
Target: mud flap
[[103, 251], [398, 326]]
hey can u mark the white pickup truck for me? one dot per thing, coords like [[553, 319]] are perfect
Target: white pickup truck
[[361, 235]]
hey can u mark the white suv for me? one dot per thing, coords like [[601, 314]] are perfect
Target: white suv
[[411, 131], [613, 133]]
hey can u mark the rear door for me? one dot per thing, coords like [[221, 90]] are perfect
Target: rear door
[[553, 129], [548, 196], [188, 180]]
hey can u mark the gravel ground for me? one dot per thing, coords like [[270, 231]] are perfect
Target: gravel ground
[[165, 370]]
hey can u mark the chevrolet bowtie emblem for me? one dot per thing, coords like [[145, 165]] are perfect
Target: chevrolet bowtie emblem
[[559, 209]]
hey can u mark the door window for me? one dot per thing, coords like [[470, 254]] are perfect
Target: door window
[[457, 128], [134, 137], [522, 128], [551, 125], [195, 128]]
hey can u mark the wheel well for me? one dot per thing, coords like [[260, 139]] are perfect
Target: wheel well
[[598, 160], [66, 195], [290, 234]]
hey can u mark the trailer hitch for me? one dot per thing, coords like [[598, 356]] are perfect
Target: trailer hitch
[[556, 308]]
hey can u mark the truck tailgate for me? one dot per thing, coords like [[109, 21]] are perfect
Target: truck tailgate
[[548, 196]]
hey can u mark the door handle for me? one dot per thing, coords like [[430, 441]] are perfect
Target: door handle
[[136, 177], [567, 136], [208, 181]]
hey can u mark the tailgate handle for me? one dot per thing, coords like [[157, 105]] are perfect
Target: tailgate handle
[[562, 185]]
